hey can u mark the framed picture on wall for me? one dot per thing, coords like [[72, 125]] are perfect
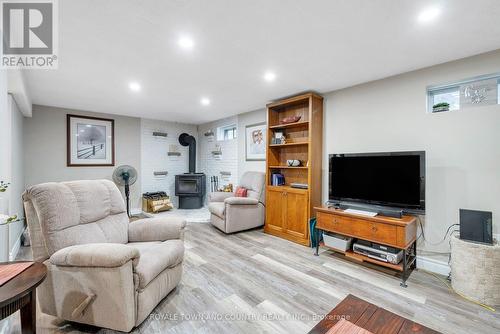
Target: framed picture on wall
[[255, 142], [90, 141]]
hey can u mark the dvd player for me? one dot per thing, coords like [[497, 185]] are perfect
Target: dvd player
[[378, 252]]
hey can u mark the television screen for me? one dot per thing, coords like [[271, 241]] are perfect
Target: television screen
[[394, 179]]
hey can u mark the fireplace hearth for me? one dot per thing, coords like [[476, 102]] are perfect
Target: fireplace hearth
[[190, 187]]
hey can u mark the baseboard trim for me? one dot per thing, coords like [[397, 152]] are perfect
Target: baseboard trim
[[435, 266], [13, 252]]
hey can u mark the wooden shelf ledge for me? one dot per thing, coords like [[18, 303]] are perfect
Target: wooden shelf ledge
[[288, 167], [286, 187], [289, 144], [290, 125], [363, 258]]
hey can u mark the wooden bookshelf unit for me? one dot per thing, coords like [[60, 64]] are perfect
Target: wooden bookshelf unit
[[288, 209], [394, 232]]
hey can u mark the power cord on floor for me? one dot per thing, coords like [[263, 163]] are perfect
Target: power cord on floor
[[489, 308]]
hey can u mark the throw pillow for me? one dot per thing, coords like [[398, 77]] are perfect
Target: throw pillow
[[240, 192]]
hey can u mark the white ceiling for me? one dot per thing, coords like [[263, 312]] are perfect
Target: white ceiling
[[310, 45]]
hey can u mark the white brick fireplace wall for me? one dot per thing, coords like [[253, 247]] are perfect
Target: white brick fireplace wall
[[154, 155]]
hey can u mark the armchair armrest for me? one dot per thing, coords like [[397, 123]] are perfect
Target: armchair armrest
[[241, 201], [107, 255], [156, 229], [219, 196]]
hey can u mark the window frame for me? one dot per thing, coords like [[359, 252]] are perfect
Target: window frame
[[222, 132], [432, 93], [437, 89]]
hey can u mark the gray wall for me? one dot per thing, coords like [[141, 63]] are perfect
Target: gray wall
[[463, 153], [45, 148]]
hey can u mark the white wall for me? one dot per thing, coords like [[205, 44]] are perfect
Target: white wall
[[45, 148], [462, 147], [11, 166], [154, 155], [5, 149], [16, 176], [18, 88], [233, 151], [5, 133], [249, 118]]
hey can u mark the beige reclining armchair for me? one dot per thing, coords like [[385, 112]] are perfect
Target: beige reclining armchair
[[102, 270], [232, 214]]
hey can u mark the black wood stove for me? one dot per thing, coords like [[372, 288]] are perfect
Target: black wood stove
[[190, 187]]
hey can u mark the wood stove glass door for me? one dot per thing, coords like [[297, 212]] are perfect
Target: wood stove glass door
[[188, 186]]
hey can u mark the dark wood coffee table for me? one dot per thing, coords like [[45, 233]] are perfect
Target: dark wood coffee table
[[20, 294], [369, 317]]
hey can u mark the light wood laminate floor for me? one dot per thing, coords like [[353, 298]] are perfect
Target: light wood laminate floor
[[251, 282]]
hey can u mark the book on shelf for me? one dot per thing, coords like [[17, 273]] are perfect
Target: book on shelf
[[277, 179]]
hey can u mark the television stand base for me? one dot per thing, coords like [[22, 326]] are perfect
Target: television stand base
[[400, 234]]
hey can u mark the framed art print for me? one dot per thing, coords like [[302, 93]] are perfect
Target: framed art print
[[255, 142], [90, 141]]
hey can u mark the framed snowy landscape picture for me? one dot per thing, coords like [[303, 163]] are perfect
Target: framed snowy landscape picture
[[90, 141]]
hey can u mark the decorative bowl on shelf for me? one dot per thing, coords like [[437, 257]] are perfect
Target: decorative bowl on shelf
[[293, 163], [291, 119]]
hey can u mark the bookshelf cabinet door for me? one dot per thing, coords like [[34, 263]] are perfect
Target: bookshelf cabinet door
[[275, 209], [297, 214]]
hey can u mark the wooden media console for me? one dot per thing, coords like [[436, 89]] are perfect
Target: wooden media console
[[394, 232]]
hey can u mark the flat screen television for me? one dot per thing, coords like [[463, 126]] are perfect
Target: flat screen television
[[391, 179]]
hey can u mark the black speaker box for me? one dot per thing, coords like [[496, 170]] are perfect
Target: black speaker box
[[476, 226]]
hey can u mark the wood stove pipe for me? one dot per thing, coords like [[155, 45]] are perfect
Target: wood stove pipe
[[188, 140]]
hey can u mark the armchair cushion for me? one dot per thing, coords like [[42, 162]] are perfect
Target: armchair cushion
[[107, 255], [156, 229], [155, 257], [241, 201], [217, 208], [219, 196]]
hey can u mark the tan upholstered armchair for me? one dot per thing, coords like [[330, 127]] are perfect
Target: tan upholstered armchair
[[102, 270], [232, 214]]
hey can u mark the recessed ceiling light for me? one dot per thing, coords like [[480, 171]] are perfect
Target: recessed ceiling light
[[134, 86], [186, 42], [205, 101], [428, 14], [269, 76]]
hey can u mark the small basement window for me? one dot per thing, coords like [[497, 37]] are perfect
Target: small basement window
[[479, 91], [446, 99], [227, 132]]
